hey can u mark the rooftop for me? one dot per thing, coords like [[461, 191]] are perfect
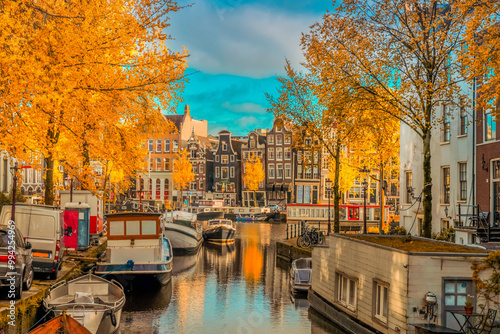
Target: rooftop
[[416, 244]]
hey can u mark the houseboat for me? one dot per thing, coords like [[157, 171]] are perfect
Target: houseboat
[[137, 249], [219, 231], [392, 284], [301, 275], [351, 215]]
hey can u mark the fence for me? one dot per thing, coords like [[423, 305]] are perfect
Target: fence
[[294, 230]]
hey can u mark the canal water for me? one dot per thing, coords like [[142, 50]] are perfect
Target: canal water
[[238, 288]]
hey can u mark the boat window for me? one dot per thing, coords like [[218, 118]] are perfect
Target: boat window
[[133, 227], [148, 227], [117, 227]]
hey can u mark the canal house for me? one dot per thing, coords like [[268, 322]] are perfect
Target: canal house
[[377, 284]]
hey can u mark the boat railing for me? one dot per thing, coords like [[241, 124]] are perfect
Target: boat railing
[[52, 287]]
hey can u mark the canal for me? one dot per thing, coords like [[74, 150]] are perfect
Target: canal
[[238, 288]]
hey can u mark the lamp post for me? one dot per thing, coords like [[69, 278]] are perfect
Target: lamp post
[[328, 191], [365, 173], [13, 170]]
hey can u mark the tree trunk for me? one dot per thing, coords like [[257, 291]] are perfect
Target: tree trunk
[[427, 187], [336, 190], [49, 179], [381, 191]]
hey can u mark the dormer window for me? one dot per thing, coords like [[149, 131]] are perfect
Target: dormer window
[[224, 146]]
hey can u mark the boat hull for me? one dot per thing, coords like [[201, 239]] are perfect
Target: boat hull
[[184, 240], [144, 275], [219, 234]]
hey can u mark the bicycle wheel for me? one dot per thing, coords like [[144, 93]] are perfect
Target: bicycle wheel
[[307, 241], [300, 241]]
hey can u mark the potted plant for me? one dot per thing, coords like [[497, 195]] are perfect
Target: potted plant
[[468, 305]]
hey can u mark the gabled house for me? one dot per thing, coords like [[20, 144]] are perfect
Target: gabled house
[[255, 144]]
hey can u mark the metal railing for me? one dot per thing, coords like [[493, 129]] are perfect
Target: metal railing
[[294, 230]]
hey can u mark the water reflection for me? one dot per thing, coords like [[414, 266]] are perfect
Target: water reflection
[[235, 288]]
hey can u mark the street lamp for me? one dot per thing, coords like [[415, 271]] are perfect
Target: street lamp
[[328, 191], [13, 170], [365, 173]]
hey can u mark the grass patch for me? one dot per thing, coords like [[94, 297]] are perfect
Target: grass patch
[[417, 245]]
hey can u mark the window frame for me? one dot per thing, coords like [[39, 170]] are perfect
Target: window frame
[[342, 299], [462, 181], [381, 301], [445, 184], [446, 125]]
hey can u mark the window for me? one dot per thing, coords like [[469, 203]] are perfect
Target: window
[[200, 184], [252, 142], [463, 121], [288, 171], [175, 145], [288, 139], [192, 186], [224, 159], [308, 172], [270, 153], [195, 169], [201, 169], [158, 163], [279, 171], [381, 301], [158, 145], [299, 157], [279, 140], [224, 173], [462, 171], [232, 158], [232, 172], [167, 145], [299, 171], [217, 172], [271, 171], [409, 187], [345, 291], [490, 127], [150, 145], [279, 153], [446, 124], [224, 146], [270, 139], [315, 172], [193, 154], [316, 157], [216, 158], [288, 153], [445, 191], [167, 164]]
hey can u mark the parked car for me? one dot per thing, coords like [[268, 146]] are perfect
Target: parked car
[[43, 227], [15, 257]]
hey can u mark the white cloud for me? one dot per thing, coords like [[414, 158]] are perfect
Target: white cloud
[[247, 107], [245, 121], [243, 40]]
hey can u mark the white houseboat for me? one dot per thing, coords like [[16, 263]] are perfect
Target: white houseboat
[[137, 249]]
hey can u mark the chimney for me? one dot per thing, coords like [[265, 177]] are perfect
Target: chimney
[[186, 109]]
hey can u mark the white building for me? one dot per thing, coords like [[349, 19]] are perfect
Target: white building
[[452, 164]]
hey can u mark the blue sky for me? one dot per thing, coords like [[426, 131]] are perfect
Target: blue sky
[[237, 49]]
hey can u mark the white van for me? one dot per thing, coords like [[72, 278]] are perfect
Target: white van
[[42, 226]]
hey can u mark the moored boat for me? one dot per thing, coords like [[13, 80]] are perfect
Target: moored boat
[[138, 252], [60, 324], [92, 301], [180, 217], [301, 275], [185, 237], [220, 231]]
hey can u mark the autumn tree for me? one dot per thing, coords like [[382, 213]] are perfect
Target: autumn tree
[[254, 174], [323, 111], [400, 55], [183, 174], [85, 76]]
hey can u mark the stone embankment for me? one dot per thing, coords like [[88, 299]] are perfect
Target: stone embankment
[[289, 251]]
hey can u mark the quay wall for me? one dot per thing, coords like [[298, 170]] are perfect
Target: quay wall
[[289, 251]]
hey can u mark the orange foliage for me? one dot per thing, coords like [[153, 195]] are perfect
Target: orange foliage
[[254, 172], [85, 81]]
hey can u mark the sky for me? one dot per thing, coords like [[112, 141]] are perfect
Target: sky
[[237, 49]]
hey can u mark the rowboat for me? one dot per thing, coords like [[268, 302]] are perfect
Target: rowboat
[[60, 324], [94, 302]]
